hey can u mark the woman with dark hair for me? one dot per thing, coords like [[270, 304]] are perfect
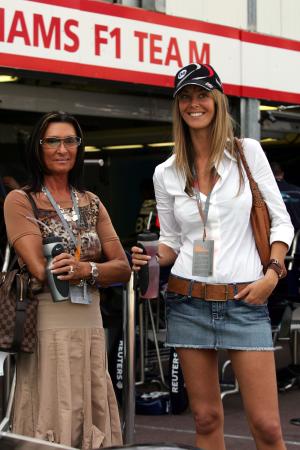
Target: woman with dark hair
[[64, 393], [36, 165], [217, 291]]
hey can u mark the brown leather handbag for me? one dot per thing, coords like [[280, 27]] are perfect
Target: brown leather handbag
[[18, 307], [18, 312], [260, 218]]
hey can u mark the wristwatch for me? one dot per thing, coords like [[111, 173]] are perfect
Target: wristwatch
[[94, 272], [280, 269]]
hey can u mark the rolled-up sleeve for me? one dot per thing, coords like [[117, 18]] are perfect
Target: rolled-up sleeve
[[19, 217], [169, 229], [281, 226]]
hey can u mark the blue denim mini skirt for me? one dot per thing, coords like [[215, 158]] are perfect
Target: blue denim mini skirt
[[231, 324]]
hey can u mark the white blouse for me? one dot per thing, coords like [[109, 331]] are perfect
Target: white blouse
[[235, 255]]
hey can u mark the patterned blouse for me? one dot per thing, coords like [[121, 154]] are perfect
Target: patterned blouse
[[96, 227]]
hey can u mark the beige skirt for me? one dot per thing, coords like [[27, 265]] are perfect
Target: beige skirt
[[64, 392]]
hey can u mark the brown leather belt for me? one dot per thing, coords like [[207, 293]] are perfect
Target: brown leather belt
[[205, 291]]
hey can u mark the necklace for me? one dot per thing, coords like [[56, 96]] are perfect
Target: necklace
[[69, 216]]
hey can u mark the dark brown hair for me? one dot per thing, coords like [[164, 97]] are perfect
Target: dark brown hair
[[36, 166]]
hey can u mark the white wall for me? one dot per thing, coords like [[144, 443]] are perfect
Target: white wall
[[224, 12], [279, 18], [275, 17]]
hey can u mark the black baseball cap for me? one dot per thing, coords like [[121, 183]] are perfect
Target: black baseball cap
[[202, 75]]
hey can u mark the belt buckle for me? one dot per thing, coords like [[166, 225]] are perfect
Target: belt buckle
[[190, 290], [226, 287], [205, 293], [226, 292]]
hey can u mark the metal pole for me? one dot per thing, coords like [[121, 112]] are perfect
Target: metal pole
[[129, 362], [98, 162], [156, 343], [142, 344]]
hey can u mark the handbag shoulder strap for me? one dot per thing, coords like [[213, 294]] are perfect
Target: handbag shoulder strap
[[33, 204], [36, 215], [243, 159], [257, 196]]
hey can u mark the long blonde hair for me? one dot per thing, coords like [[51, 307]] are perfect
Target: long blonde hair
[[221, 138]]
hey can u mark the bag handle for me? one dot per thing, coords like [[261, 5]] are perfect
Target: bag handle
[[258, 200], [242, 156], [36, 215], [33, 205], [22, 283], [21, 280]]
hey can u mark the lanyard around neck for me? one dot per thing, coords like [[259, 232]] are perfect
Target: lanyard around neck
[[203, 212], [60, 215]]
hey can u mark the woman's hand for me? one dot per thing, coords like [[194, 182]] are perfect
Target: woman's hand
[[66, 267], [257, 293], [138, 258]]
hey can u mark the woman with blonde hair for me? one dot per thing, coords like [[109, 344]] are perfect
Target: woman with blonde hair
[[217, 291]]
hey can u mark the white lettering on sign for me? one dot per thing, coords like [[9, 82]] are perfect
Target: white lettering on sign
[[91, 36], [120, 356], [174, 374]]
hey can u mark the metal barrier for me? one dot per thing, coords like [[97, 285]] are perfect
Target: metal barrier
[[291, 258], [7, 363], [6, 258]]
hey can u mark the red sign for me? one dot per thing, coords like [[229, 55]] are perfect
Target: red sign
[[100, 40]]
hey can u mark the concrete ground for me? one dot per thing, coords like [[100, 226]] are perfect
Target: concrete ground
[[179, 429]]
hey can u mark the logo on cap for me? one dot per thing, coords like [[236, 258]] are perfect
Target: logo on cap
[[181, 74], [201, 75]]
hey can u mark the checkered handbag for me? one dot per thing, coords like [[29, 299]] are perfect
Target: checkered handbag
[[18, 312]]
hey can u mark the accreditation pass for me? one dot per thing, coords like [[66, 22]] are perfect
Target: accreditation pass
[[203, 253]]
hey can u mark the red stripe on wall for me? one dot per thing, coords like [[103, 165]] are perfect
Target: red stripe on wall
[[130, 76], [270, 41], [261, 93], [84, 70]]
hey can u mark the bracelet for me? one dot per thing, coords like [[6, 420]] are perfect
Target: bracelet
[[94, 274], [280, 269]]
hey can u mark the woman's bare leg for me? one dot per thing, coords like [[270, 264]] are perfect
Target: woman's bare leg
[[200, 371], [256, 375]]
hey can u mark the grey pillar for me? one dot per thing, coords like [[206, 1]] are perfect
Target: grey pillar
[[154, 5], [132, 3], [249, 118], [251, 15], [249, 108]]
